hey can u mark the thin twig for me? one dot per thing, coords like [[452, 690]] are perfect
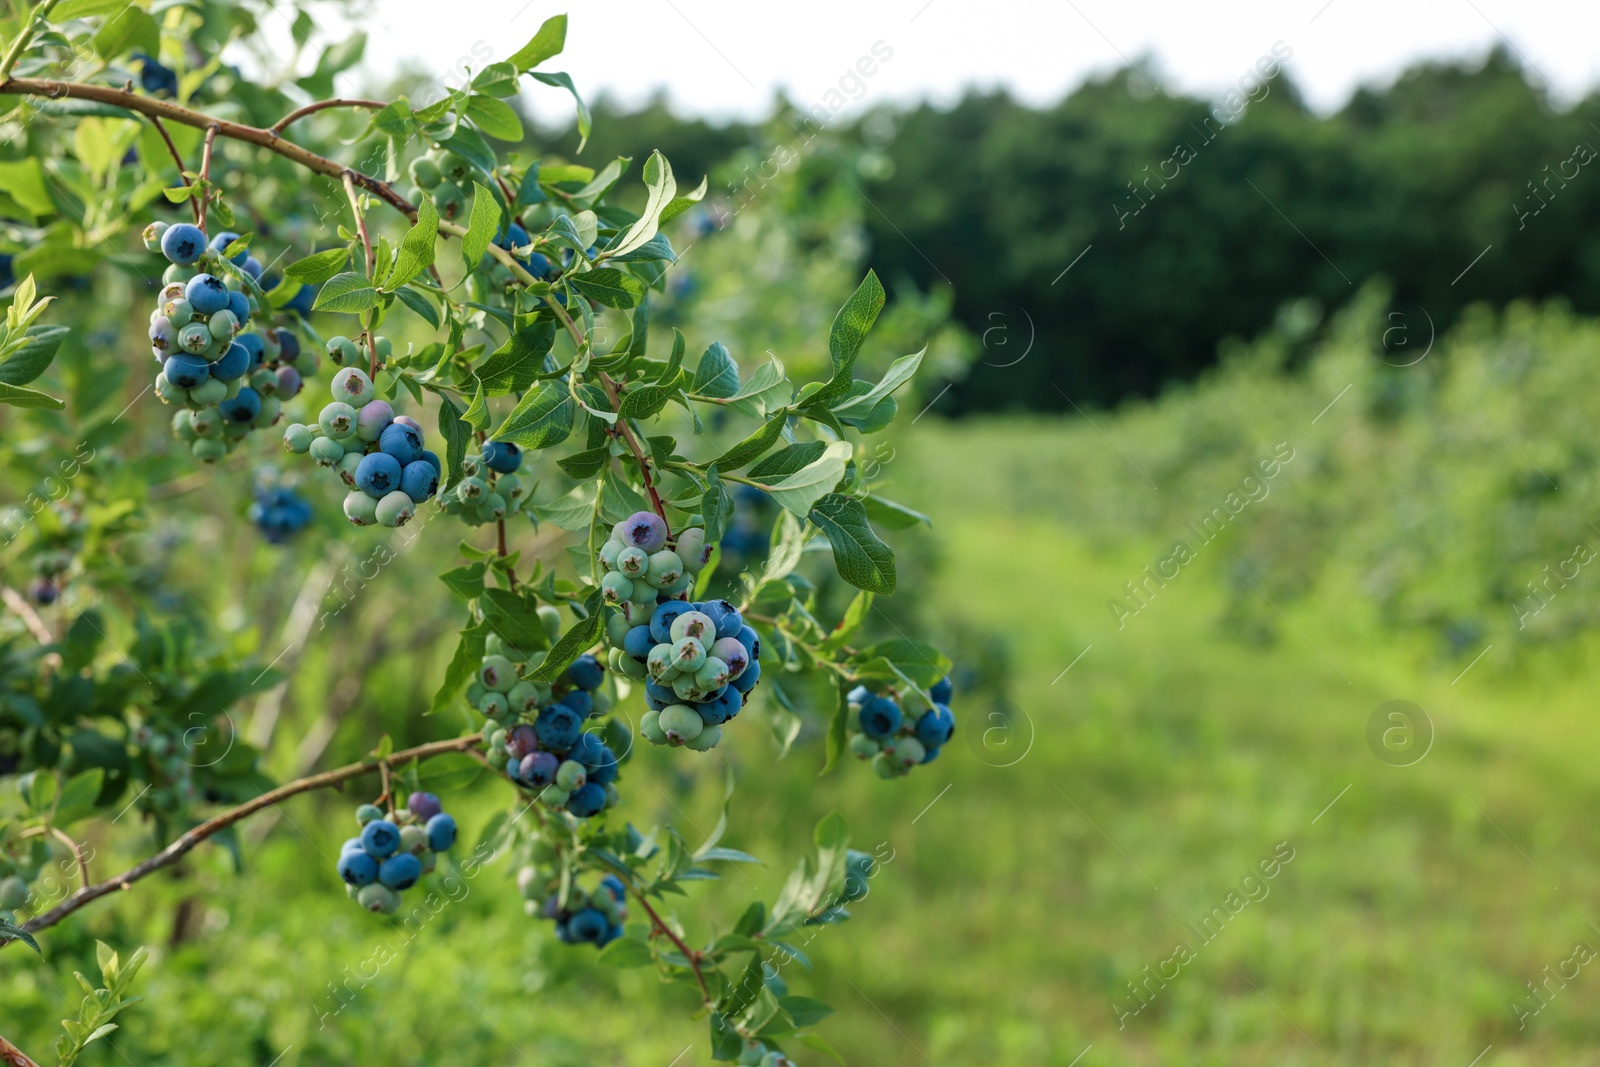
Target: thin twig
[[77, 849], [688, 953], [145, 105], [177, 159], [349, 178], [186, 843], [322, 105], [205, 173], [30, 618], [632, 442]]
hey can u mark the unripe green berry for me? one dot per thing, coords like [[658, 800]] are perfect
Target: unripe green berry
[[492, 507], [208, 450], [555, 796], [425, 172], [346, 468], [680, 723], [367, 813], [650, 727], [396, 509], [207, 423], [360, 509], [551, 617], [494, 705], [297, 438], [885, 765], [615, 588], [342, 350], [864, 747], [471, 490], [665, 569], [379, 898], [706, 740], [326, 451], [571, 775]]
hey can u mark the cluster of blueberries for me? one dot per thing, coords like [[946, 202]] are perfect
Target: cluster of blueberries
[[391, 854], [378, 454], [701, 661], [894, 741], [489, 489], [226, 379], [279, 513], [536, 729], [593, 918]]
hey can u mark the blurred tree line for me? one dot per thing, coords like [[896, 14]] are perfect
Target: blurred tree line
[[1196, 221]]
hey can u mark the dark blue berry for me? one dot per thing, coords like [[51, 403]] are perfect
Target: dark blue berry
[[380, 838], [558, 727], [586, 672], [400, 872], [880, 717], [590, 799], [357, 868], [502, 457], [441, 832], [942, 691]]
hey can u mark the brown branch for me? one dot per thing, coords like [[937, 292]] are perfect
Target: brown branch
[[145, 105], [632, 441], [77, 849], [12, 1056], [349, 179], [322, 105], [177, 158], [25, 612], [217, 823], [688, 953]]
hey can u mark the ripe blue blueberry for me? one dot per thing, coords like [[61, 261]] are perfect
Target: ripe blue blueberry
[[423, 805], [638, 643], [645, 530], [289, 381], [751, 642], [380, 838], [589, 924], [880, 717], [538, 769], [206, 293], [441, 832], [586, 672], [942, 691], [558, 727], [183, 243], [664, 616], [931, 754], [724, 616], [402, 442], [400, 871], [242, 408], [357, 868], [721, 707], [253, 267], [239, 304], [289, 343], [658, 696], [378, 475], [579, 701], [233, 363], [935, 726], [747, 681], [502, 457], [419, 480], [587, 800], [254, 346], [186, 371]]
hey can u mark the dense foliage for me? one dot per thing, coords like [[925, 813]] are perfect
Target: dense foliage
[[531, 371]]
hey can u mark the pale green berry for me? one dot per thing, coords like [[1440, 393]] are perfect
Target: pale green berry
[[706, 740], [208, 449], [650, 727], [379, 898], [326, 451], [168, 393], [510, 486], [361, 509], [680, 723], [691, 548], [472, 466], [660, 665], [183, 425], [498, 673], [338, 420], [470, 490], [207, 423], [412, 837], [346, 467], [617, 626], [153, 234], [906, 751], [178, 311], [633, 562], [524, 697], [396, 509], [264, 382], [665, 569], [609, 552], [688, 654], [712, 674], [864, 747], [342, 350], [297, 438], [209, 392], [688, 689], [571, 775], [494, 705], [550, 616], [555, 796], [492, 507], [885, 765], [271, 411], [352, 386], [629, 667], [224, 325], [695, 624], [494, 645], [616, 588]]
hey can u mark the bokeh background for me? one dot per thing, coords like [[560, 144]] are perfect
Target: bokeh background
[[1257, 443]]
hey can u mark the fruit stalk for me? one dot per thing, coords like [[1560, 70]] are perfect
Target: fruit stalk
[[632, 441], [205, 174], [349, 178], [662, 928], [172, 150], [217, 823]]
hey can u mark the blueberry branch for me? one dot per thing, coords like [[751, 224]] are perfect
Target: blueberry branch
[[322, 105], [12, 1056], [349, 179], [77, 849], [217, 823], [172, 150], [660, 927], [205, 174]]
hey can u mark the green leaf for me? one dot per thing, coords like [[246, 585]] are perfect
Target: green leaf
[[716, 506], [24, 397], [30, 359], [585, 464], [849, 329], [609, 286], [469, 144], [644, 401], [805, 1011], [11, 932], [515, 618], [899, 372], [859, 557], [484, 224], [83, 9], [547, 43], [564, 81], [477, 413], [788, 460], [797, 492], [575, 642], [448, 772], [318, 267], [660, 186], [420, 304], [465, 581], [23, 180], [916, 660], [892, 516], [416, 251], [495, 118], [754, 445], [129, 28], [716, 374], [516, 364], [573, 511], [456, 434], [40, 791], [618, 499], [766, 391], [838, 730], [627, 952], [463, 666], [351, 292], [679, 204], [78, 797], [543, 418]]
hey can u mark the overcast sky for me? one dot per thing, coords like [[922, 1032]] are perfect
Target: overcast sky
[[728, 57]]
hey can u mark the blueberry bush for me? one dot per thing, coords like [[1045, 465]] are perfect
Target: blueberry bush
[[540, 410]]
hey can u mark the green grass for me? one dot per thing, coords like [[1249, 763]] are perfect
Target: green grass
[[1064, 841]]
